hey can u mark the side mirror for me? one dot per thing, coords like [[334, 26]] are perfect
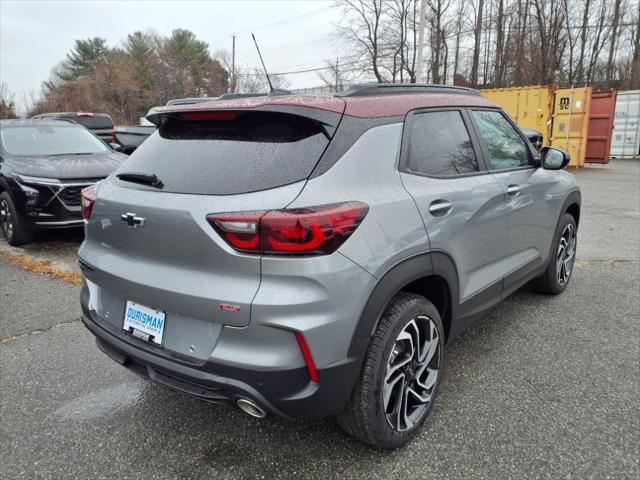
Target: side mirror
[[554, 159], [115, 146], [128, 149]]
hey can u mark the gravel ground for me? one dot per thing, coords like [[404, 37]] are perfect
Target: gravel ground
[[541, 387]]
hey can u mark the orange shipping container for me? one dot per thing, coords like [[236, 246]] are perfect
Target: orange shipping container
[[571, 122]]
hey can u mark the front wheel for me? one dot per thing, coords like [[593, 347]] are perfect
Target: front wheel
[[558, 273], [11, 224], [400, 376]]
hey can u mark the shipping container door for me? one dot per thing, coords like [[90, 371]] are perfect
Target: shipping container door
[[601, 112], [571, 122], [626, 125]]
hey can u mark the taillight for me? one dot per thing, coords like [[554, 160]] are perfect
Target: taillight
[[88, 198], [300, 231]]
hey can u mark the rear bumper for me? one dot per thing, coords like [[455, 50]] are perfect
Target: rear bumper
[[285, 393]]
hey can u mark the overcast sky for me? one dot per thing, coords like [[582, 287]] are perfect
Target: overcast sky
[[293, 35]]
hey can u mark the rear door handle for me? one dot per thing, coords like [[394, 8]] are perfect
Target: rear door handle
[[439, 208], [513, 190]]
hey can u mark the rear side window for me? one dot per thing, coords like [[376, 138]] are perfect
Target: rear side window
[[440, 146], [505, 146], [226, 153]]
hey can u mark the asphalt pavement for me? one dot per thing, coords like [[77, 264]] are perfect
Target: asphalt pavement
[[540, 387]]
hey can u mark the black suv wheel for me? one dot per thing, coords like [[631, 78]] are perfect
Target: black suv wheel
[[400, 375], [11, 224], [563, 256]]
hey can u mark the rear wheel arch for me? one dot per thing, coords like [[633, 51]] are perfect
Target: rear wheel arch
[[432, 275]]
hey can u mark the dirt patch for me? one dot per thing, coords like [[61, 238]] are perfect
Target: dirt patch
[[31, 264]]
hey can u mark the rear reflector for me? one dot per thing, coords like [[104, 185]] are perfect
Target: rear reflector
[[306, 355], [300, 231], [88, 198]]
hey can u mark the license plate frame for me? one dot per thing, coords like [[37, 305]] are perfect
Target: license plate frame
[[144, 322]]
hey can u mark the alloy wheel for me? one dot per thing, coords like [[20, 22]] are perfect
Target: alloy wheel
[[412, 373], [6, 220], [566, 254]]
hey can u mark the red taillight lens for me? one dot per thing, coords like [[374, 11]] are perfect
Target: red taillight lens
[[301, 231], [240, 230], [84, 114], [88, 198]]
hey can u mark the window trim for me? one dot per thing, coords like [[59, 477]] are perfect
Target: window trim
[[485, 151], [405, 149]]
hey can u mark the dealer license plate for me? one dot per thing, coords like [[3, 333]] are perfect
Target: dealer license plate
[[144, 322]]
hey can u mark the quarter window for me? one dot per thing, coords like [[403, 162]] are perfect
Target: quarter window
[[440, 145], [505, 146]]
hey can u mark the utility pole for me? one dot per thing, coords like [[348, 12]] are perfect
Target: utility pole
[[423, 13], [233, 64]]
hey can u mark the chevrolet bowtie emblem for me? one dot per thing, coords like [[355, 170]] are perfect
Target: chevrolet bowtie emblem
[[132, 220]]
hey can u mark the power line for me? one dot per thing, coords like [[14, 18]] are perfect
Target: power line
[[281, 47], [287, 20], [318, 69]]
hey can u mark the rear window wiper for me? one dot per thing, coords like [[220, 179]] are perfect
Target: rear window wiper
[[143, 178]]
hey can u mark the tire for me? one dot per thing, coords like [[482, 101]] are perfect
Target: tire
[[366, 416], [558, 273], [11, 224]]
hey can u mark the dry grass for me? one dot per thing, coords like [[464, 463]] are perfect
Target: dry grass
[[31, 264]]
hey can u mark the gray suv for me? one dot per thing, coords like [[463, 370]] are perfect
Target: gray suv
[[309, 256]]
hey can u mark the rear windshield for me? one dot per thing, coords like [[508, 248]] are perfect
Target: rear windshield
[[225, 153], [95, 123], [50, 140]]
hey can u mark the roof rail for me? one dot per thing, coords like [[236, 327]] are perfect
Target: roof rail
[[367, 89], [275, 92]]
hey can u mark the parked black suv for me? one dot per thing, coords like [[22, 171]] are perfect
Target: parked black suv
[[99, 123], [44, 164]]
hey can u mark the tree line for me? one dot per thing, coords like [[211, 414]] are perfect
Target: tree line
[[491, 43], [146, 71], [481, 43]]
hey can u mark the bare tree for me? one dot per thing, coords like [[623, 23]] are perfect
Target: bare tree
[[437, 10], [458, 30], [498, 42], [583, 40], [255, 81], [598, 42], [635, 62], [477, 38], [499, 66], [7, 102], [612, 44], [363, 33]]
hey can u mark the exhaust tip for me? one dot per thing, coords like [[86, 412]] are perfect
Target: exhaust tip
[[250, 408]]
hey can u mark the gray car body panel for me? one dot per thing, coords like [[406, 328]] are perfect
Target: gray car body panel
[[178, 263]]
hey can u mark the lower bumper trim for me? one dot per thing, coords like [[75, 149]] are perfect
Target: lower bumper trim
[[287, 394]]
